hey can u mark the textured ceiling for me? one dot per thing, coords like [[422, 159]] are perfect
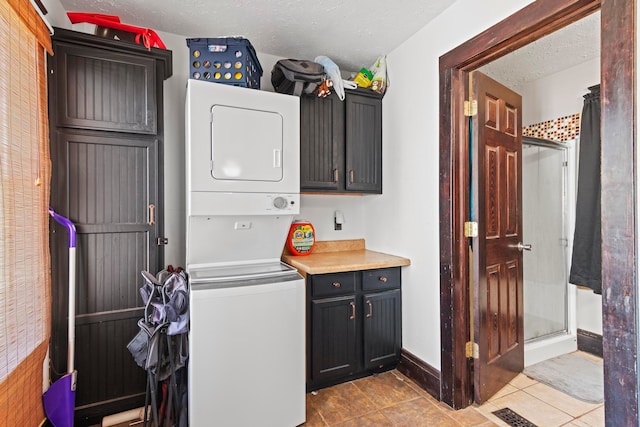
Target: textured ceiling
[[352, 33], [565, 48]]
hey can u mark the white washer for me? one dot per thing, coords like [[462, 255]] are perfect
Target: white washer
[[247, 346]]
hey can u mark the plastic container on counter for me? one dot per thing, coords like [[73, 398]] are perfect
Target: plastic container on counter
[[301, 238]]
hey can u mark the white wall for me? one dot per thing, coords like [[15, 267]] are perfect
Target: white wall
[[560, 94], [405, 219]]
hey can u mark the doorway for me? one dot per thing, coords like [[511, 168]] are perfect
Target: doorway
[[552, 74], [618, 189]]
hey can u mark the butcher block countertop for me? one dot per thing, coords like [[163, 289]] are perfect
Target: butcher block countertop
[[335, 256]]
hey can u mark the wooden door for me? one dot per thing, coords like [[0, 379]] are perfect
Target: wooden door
[[497, 207]]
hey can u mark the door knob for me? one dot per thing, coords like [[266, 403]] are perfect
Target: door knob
[[523, 246]]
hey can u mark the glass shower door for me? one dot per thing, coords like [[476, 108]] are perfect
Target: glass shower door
[[544, 183]]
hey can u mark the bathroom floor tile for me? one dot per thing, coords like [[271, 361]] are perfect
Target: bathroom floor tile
[[533, 409], [522, 381], [557, 399]]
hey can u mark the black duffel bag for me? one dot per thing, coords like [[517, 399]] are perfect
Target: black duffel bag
[[296, 76]]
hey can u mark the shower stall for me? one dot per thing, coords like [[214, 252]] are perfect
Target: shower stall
[[548, 201]]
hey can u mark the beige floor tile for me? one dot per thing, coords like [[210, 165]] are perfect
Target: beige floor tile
[[487, 410], [594, 418], [533, 409], [468, 417], [522, 381], [508, 389], [557, 399]]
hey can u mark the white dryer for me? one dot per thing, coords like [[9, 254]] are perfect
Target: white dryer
[[247, 344]]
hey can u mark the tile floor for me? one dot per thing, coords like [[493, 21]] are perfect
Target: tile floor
[[391, 399]]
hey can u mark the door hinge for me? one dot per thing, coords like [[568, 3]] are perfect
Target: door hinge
[[471, 350], [470, 108], [470, 229], [162, 241]]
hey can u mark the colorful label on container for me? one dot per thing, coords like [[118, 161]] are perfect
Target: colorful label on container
[[302, 238]]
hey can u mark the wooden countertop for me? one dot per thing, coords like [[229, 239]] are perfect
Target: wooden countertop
[[336, 256]]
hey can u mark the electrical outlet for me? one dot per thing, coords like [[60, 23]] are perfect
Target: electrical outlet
[[338, 220]]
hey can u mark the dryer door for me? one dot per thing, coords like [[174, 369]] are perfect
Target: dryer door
[[246, 144]]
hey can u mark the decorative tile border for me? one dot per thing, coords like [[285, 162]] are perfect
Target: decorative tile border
[[562, 130]]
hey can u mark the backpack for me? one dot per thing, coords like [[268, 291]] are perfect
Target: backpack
[[295, 76]]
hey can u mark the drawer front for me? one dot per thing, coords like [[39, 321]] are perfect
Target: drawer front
[[381, 279], [323, 285]]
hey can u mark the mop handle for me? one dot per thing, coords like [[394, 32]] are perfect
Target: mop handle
[[67, 223], [72, 286]]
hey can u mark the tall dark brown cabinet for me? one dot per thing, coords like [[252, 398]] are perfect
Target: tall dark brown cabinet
[[106, 128]]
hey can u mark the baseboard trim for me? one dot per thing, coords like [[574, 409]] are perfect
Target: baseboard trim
[[420, 372], [589, 342]]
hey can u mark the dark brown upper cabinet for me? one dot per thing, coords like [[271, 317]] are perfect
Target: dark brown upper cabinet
[[341, 143]]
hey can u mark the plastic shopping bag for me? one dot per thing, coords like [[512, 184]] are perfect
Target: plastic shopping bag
[[379, 82]]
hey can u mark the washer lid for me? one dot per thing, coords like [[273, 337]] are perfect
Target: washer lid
[[220, 273]]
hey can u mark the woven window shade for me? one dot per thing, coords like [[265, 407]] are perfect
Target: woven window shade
[[24, 197]]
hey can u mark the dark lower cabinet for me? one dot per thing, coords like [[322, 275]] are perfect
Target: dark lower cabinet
[[381, 328], [354, 325], [334, 337]]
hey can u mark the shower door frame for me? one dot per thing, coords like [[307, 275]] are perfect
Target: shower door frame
[[561, 342]]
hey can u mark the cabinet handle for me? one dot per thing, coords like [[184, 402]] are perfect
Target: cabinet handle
[[383, 279], [350, 176], [370, 313], [336, 285], [152, 214], [353, 310], [335, 175]]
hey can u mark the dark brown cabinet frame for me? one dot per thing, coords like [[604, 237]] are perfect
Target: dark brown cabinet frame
[[341, 143], [134, 124], [619, 236]]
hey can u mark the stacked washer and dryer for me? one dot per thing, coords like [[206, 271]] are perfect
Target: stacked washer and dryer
[[247, 342]]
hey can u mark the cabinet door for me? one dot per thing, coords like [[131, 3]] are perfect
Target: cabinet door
[[103, 90], [382, 328], [333, 335], [363, 143], [321, 143]]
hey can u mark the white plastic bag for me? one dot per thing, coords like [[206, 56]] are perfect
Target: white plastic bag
[[333, 73], [379, 69]]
